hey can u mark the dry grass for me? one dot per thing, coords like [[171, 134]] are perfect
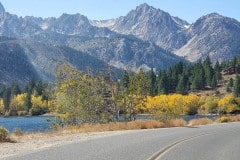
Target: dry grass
[[117, 126], [225, 119], [201, 121], [176, 123], [113, 126], [234, 118]]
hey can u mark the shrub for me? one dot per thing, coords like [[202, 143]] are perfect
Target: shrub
[[201, 121], [223, 119], [176, 123], [3, 134], [22, 113], [18, 132]]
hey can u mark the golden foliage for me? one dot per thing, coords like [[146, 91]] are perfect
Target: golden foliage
[[171, 106], [18, 103], [1, 107]]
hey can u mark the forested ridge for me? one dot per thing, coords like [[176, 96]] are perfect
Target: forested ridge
[[102, 97]]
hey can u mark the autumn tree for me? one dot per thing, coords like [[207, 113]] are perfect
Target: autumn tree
[[18, 104], [78, 95]]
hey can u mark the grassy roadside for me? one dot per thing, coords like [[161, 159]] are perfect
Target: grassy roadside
[[17, 135]]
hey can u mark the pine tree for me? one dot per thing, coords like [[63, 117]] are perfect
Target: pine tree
[[153, 88], [208, 70], [6, 98], [182, 86], [163, 84], [214, 82], [39, 88], [15, 89], [28, 102], [217, 70], [198, 77], [125, 81], [173, 79], [236, 87]]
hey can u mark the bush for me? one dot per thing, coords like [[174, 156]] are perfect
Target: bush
[[201, 121], [223, 119], [22, 113], [3, 134], [176, 123], [18, 132]]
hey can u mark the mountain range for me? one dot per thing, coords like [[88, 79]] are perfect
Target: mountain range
[[32, 48]]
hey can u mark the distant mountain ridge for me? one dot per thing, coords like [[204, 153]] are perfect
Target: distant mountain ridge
[[143, 39], [151, 24], [76, 31], [212, 34]]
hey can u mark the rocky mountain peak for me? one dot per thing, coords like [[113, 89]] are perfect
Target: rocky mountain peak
[[212, 15], [214, 23], [2, 9], [213, 35], [144, 8], [151, 24]]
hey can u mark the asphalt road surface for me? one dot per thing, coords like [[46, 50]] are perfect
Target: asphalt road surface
[[210, 142]]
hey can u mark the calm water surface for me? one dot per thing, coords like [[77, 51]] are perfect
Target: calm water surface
[[27, 124]]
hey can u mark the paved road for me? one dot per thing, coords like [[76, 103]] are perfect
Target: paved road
[[215, 142]]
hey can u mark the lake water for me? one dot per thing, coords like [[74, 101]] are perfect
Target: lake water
[[27, 124]]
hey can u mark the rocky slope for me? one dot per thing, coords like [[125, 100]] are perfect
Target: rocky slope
[[22, 60], [213, 35], [142, 39], [127, 52], [151, 24], [77, 32]]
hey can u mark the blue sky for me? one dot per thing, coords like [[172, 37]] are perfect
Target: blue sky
[[188, 10]]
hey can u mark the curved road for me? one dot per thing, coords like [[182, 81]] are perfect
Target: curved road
[[210, 142]]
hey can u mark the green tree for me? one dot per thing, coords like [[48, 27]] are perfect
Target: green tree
[[140, 84], [182, 86], [217, 70], [214, 82], [153, 83], [79, 96], [6, 98], [28, 102], [15, 89], [208, 70], [163, 83], [30, 86], [230, 85], [236, 87], [125, 81], [198, 77]]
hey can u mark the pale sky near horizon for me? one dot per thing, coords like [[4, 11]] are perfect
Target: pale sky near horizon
[[189, 10]]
